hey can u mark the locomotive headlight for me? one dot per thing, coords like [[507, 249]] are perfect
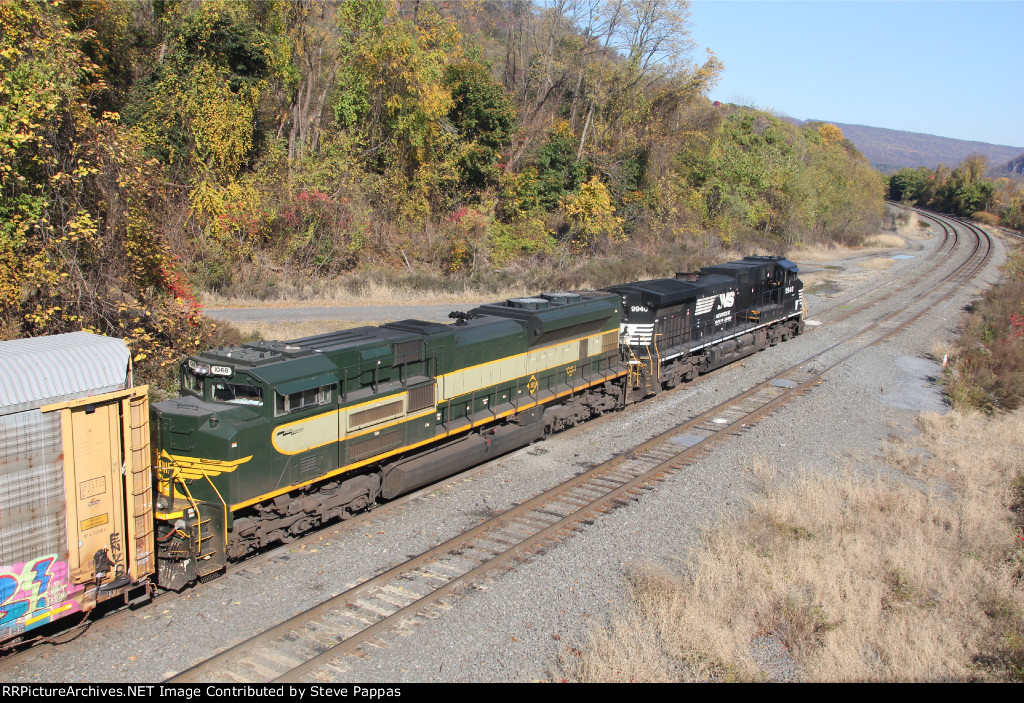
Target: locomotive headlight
[[198, 368], [161, 503]]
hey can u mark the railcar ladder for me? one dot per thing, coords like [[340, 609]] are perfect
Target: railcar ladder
[[137, 461]]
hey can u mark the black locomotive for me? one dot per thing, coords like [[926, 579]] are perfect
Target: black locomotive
[[676, 328]]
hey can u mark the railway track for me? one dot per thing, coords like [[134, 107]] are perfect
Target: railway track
[[844, 308], [315, 643]]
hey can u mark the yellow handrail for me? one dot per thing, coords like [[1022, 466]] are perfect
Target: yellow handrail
[[199, 516], [223, 503], [633, 375], [657, 355]]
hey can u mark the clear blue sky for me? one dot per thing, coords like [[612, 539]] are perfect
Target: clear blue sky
[[874, 63]]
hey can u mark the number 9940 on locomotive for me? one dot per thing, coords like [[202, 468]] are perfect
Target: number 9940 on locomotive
[[271, 439]]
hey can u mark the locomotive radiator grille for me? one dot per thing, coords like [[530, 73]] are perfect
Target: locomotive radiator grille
[[363, 448], [422, 397], [377, 414]]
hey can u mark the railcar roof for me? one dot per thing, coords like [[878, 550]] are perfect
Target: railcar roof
[[484, 327], [781, 261], [419, 327], [344, 339], [41, 370], [546, 305], [265, 352], [748, 263]]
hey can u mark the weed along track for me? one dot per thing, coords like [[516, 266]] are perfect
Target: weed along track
[[365, 620]]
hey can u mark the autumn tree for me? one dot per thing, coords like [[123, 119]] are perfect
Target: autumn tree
[[961, 191], [787, 184], [908, 185], [77, 249], [317, 51], [393, 100], [593, 223], [484, 118]]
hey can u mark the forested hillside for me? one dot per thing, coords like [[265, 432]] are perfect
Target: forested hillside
[[149, 149], [1014, 168]]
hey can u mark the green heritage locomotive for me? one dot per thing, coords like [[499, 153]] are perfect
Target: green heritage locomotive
[[271, 439]]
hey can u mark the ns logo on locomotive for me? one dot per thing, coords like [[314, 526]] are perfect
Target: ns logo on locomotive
[[271, 439]]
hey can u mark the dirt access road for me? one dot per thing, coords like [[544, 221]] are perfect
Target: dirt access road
[[275, 321]]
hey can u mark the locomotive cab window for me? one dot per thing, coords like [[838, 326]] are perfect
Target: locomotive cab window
[[237, 393], [290, 402]]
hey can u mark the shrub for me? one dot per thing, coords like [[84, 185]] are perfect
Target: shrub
[[985, 218], [989, 374]]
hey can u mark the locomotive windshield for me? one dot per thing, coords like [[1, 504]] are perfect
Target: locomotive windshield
[[241, 394]]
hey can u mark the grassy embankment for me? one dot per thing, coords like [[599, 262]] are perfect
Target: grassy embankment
[[987, 369], [913, 576]]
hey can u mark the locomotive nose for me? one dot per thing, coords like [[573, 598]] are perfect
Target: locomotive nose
[[184, 426]]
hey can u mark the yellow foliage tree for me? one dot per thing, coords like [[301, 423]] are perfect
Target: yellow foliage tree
[[231, 222], [592, 219], [78, 250], [830, 134], [221, 120]]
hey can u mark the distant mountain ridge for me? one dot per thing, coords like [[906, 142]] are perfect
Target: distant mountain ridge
[[889, 150]]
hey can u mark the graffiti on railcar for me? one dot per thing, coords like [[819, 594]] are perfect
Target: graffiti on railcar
[[33, 593]]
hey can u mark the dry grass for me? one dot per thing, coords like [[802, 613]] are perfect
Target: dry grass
[[373, 292], [908, 578], [910, 225], [298, 329], [884, 241], [988, 370], [944, 349], [877, 263], [823, 253], [815, 277]]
